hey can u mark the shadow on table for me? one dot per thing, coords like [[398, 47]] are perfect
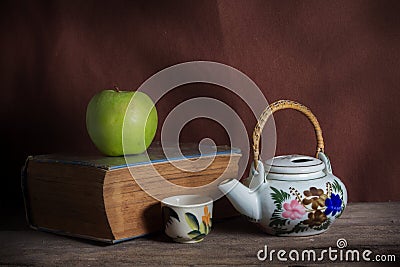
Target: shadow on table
[[236, 225], [233, 225]]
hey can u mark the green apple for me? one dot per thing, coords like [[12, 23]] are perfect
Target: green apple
[[121, 122]]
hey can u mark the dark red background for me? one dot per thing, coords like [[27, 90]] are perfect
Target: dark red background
[[340, 58]]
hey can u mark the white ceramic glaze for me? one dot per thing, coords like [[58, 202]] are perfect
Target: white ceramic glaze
[[291, 195], [187, 218]]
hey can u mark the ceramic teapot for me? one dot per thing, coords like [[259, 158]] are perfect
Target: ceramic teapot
[[291, 195]]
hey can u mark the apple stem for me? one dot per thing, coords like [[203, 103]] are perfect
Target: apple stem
[[116, 88]]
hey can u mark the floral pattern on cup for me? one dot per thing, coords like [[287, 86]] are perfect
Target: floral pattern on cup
[[187, 218], [312, 210], [199, 230], [168, 214]]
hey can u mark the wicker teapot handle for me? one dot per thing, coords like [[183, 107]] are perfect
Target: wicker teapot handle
[[284, 104]]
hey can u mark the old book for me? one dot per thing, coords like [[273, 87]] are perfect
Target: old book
[[98, 197]]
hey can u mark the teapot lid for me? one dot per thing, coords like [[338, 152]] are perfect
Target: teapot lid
[[294, 164]]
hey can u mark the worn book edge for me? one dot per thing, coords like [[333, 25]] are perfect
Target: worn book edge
[[154, 155]]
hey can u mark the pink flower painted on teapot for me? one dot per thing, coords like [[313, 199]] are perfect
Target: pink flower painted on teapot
[[293, 210]]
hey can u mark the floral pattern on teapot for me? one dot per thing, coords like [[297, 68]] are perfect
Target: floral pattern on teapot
[[289, 195], [315, 208]]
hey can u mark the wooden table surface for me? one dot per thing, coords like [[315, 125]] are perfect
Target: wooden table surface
[[365, 226]]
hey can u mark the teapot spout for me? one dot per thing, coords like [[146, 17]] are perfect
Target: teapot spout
[[242, 198]]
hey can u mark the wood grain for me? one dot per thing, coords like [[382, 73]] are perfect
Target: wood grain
[[373, 226]]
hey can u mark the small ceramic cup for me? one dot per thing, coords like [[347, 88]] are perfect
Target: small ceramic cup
[[187, 218]]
